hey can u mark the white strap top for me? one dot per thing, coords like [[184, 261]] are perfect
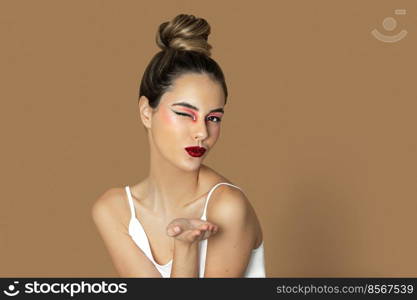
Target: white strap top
[[256, 265]]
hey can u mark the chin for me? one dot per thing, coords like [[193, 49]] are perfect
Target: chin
[[191, 164]]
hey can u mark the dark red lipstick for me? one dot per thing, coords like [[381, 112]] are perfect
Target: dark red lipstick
[[195, 151]]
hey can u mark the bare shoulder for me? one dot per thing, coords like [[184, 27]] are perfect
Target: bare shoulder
[[111, 206], [230, 205], [110, 213], [226, 199]]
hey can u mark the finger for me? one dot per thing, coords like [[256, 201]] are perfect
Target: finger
[[172, 231], [212, 226], [197, 233], [213, 232]]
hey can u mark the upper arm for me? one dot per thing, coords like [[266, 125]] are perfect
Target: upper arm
[[229, 250], [128, 259]]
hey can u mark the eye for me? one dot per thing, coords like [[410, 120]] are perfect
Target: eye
[[217, 118], [182, 114]]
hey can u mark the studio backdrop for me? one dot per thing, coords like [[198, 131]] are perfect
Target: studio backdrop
[[319, 130]]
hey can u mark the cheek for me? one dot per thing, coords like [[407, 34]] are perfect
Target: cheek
[[167, 118], [214, 130]]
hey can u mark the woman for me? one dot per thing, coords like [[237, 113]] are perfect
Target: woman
[[160, 227]]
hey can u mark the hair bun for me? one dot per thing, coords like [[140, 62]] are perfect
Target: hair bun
[[184, 32]]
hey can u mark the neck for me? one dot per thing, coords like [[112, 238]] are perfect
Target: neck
[[168, 187]]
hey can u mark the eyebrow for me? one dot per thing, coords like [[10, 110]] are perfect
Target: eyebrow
[[185, 104]]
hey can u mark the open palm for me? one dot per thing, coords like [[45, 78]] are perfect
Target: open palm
[[191, 230]]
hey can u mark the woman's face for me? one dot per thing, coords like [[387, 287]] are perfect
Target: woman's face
[[189, 114]]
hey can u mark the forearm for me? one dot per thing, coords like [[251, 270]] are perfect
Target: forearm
[[185, 260]]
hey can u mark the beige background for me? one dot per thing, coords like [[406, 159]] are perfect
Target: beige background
[[322, 115]]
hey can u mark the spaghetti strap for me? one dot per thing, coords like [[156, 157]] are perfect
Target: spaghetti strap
[[204, 217], [129, 197]]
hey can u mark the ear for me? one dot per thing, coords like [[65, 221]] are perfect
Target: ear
[[145, 111]]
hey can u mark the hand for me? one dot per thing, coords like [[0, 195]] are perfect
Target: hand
[[191, 230]]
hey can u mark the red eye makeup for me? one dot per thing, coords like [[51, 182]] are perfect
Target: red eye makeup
[[215, 114]]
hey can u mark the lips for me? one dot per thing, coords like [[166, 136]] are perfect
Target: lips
[[195, 151]]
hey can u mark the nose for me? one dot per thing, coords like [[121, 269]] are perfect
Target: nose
[[200, 132]]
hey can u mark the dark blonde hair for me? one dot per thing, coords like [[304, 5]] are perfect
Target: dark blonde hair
[[184, 49]]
